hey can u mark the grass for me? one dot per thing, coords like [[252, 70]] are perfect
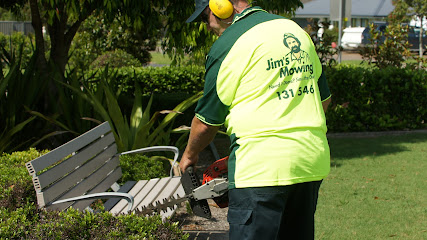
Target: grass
[[377, 189], [163, 59], [160, 58]]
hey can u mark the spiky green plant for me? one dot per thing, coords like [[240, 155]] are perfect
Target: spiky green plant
[[141, 129]]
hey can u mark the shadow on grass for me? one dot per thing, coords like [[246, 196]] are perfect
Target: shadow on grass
[[346, 148]]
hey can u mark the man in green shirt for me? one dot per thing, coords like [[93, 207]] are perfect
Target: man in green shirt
[[264, 83]]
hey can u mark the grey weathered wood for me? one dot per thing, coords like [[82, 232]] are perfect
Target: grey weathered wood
[[85, 168], [86, 184], [158, 190], [135, 190], [143, 198], [124, 189], [170, 187], [103, 186], [60, 152], [174, 186], [74, 162], [77, 176], [179, 192]]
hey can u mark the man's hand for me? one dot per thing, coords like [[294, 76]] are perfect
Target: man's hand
[[201, 135], [187, 162], [325, 104]]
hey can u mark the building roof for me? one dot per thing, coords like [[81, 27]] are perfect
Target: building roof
[[359, 9]]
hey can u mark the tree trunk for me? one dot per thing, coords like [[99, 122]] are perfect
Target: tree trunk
[[38, 30], [421, 39], [62, 35], [59, 48]]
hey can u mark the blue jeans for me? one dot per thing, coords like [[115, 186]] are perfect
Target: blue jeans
[[279, 212]]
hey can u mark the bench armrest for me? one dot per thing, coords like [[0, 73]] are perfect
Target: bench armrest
[[158, 149], [102, 195]]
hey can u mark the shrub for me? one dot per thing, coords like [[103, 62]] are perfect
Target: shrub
[[11, 43], [139, 167], [12, 167], [116, 59], [169, 86], [73, 224], [98, 37], [379, 100], [370, 99], [164, 80], [395, 48], [31, 223], [21, 219]]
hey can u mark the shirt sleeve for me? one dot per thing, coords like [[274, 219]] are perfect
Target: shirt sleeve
[[210, 109], [325, 93]]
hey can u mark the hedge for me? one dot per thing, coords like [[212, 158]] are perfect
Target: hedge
[[370, 99], [163, 80], [21, 219], [363, 98]]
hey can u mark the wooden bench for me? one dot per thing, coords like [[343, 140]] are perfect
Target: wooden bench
[[84, 169]]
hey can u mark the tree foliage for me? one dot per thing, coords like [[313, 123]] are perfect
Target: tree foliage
[[395, 48], [114, 43], [418, 8], [323, 44], [63, 18], [181, 37]]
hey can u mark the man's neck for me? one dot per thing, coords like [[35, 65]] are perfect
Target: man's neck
[[241, 5]]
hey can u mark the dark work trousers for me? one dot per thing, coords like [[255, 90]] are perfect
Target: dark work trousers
[[269, 213]]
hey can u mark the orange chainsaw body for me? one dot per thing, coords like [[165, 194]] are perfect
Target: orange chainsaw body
[[218, 169]]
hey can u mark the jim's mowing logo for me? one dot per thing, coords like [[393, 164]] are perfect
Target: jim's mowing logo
[[303, 63]]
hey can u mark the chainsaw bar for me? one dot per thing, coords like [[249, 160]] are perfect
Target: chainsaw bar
[[161, 205], [191, 181]]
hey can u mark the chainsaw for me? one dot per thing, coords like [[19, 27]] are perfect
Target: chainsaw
[[214, 186]]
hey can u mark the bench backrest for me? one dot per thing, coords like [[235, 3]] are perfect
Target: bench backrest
[[84, 165]]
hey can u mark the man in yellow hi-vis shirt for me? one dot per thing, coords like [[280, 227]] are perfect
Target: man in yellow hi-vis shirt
[[271, 95]]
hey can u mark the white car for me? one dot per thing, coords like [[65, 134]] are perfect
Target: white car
[[352, 37]]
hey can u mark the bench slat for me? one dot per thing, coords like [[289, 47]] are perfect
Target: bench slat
[[179, 192], [82, 188], [143, 185], [110, 203], [60, 152], [144, 198], [56, 192], [169, 189], [101, 187], [70, 164], [161, 191]]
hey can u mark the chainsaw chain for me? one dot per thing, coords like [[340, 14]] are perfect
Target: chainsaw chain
[[161, 205]]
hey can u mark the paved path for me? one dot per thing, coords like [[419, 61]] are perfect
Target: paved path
[[208, 235], [200, 228]]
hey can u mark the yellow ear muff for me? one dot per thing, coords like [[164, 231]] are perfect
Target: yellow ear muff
[[221, 8]]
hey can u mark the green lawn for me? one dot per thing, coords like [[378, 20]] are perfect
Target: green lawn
[[160, 58], [377, 189], [163, 59]]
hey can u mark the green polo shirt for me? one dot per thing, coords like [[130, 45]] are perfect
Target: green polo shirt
[[264, 82]]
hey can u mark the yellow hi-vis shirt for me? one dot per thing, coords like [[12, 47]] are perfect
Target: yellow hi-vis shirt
[[264, 82]]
